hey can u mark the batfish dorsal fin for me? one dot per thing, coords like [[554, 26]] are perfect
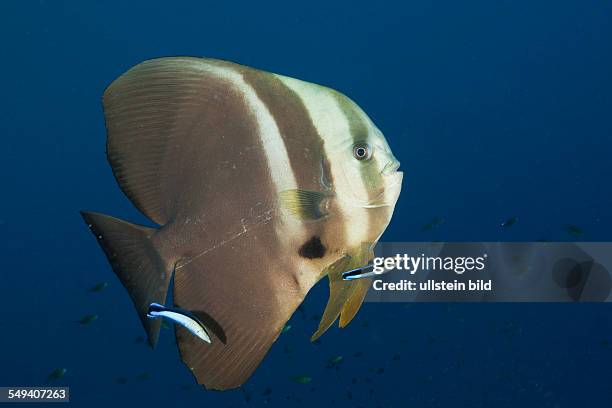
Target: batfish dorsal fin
[[150, 111]]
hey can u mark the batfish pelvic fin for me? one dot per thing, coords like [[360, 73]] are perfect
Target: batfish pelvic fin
[[345, 297]]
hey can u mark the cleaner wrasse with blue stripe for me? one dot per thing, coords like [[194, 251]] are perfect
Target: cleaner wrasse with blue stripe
[[259, 185], [177, 315]]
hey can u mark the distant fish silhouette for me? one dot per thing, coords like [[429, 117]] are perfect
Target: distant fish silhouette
[[574, 230], [435, 222], [509, 222], [85, 320], [56, 374], [99, 287], [301, 379]]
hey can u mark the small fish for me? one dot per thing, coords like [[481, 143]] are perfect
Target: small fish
[[182, 317], [88, 319], [301, 379], [509, 222], [121, 380], [363, 272], [143, 376], [334, 361], [436, 222], [286, 328], [56, 374], [99, 287], [573, 230]]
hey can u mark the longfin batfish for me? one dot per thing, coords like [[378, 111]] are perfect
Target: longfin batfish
[[259, 184]]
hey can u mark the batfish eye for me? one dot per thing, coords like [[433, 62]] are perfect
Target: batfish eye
[[362, 151]]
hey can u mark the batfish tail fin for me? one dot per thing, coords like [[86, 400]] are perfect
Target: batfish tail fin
[[136, 263]]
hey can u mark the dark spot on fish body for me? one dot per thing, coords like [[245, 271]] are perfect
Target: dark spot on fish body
[[313, 248]]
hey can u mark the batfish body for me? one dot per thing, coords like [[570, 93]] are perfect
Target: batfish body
[[259, 184]]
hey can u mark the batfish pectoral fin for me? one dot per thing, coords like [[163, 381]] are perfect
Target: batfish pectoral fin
[[304, 204], [345, 297], [136, 263]]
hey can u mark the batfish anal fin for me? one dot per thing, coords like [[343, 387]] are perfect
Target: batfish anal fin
[[304, 204], [244, 292], [136, 263]]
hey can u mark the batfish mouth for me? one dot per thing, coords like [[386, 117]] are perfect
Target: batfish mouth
[[391, 167], [390, 193]]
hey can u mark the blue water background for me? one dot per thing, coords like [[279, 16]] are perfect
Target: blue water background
[[495, 108]]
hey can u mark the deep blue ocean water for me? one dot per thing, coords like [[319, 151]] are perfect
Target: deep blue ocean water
[[495, 109]]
